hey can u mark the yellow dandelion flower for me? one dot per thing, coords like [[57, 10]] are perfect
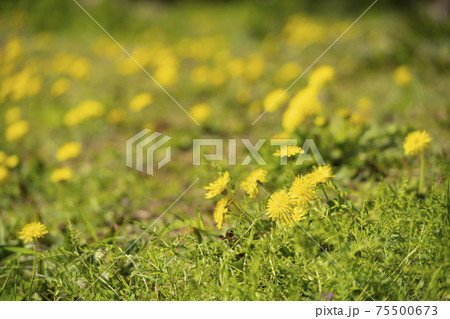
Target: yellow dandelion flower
[[274, 100], [3, 173], [200, 112], [364, 104], [343, 112], [116, 116], [218, 186], [320, 121], [416, 142], [166, 74], [279, 207], [221, 212], [236, 67], [32, 231], [321, 76], [79, 68], [250, 184], [141, 101], [60, 87], [254, 67], [358, 118], [288, 150], [304, 103], [402, 75], [85, 110], [302, 191], [288, 72], [61, 174], [13, 115], [17, 130], [321, 174], [68, 151], [11, 161]]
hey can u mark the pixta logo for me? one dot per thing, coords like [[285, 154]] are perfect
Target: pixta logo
[[141, 148]]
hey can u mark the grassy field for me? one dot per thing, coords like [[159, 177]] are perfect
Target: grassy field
[[375, 227]]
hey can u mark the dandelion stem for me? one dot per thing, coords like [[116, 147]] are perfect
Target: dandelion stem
[[325, 193], [237, 207], [292, 168], [34, 269], [422, 170]]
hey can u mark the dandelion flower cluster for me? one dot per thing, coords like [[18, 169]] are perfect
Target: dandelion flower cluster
[[32, 231], [250, 184], [218, 186], [416, 142], [290, 206]]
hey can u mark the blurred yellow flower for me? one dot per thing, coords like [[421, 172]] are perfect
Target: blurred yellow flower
[[364, 104], [79, 68], [116, 115], [17, 130], [320, 121], [218, 186], [85, 110], [200, 112], [416, 142], [302, 30], [321, 174], [358, 118], [68, 151], [3, 173], [11, 161], [166, 74], [221, 211], [13, 50], [60, 87], [274, 100], [12, 115], [403, 75], [61, 174], [343, 112], [288, 150], [305, 103], [254, 67], [321, 76], [201, 74], [250, 184], [236, 67], [288, 72], [32, 231], [141, 101]]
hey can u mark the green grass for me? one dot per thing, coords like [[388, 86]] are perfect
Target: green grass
[[390, 240]]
